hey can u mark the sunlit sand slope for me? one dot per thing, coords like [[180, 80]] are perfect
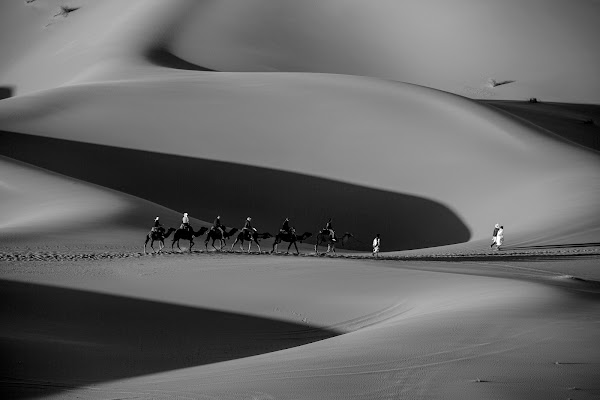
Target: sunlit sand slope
[[481, 49]]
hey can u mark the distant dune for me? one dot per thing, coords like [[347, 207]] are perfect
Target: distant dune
[[457, 46]]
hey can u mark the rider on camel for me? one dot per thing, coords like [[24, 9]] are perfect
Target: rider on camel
[[217, 226], [248, 229], [329, 227], [185, 222], [157, 225], [285, 228]]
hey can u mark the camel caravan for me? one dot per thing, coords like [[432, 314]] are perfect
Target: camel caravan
[[249, 234]]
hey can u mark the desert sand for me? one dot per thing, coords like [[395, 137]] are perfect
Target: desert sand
[[410, 119]]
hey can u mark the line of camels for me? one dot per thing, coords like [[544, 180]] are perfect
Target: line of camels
[[160, 234]]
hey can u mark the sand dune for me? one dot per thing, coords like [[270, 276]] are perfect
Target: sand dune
[[479, 164], [113, 112], [44, 210], [393, 330], [458, 47]]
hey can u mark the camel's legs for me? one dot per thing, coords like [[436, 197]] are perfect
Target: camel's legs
[[289, 246], [296, 246], [191, 244], [146, 243]]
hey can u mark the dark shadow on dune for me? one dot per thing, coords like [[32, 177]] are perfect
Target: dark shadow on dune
[[207, 188], [553, 246], [55, 339], [6, 92], [577, 123], [164, 58]]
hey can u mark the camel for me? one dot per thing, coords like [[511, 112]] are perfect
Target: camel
[[187, 235], [157, 235], [292, 238], [324, 237], [215, 234], [250, 237]]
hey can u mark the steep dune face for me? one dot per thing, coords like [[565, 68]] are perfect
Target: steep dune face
[[394, 137], [41, 208]]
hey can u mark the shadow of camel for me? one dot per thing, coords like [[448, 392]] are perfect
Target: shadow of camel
[[55, 339], [236, 191]]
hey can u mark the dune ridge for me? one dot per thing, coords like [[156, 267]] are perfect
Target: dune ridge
[[526, 165]]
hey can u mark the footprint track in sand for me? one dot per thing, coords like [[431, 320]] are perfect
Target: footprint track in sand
[[529, 255]]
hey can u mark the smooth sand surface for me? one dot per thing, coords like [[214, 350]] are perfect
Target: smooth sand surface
[[154, 328], [113, 112]]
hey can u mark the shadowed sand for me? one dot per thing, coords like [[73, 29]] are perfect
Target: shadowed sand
[[148, 328], [6, 92], [55, 338], [576, 123], [41, 209], [208, 188]]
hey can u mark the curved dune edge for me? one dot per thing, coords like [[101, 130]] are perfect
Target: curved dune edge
[[44, 210], [398, 324], [547, 187]]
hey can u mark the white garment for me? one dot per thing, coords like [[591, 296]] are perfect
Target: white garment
[[500, 237], [376, 244], [185, 219]]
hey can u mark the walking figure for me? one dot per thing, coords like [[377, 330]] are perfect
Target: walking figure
[[376, 245], [500, 237], [494, 234]]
